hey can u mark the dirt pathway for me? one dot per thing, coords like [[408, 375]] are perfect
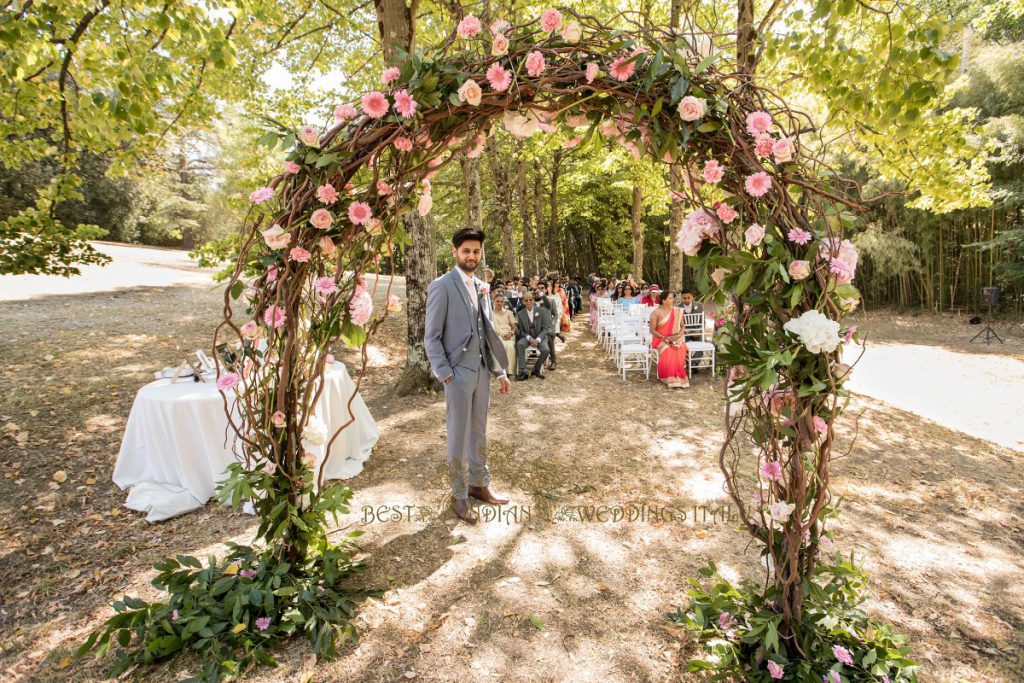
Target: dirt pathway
[[935, 515]]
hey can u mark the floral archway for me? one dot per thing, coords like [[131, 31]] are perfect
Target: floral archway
[[765, 231]]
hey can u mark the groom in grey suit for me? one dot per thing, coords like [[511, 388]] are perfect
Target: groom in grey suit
[[463, 348]]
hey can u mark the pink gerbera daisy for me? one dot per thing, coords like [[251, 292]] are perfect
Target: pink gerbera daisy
[[274, 317], [758, 184], [498, 77], [374, 104], [799, 236], [405, 104], [759, 122], [622, 69], [359, 212], [325, 285]]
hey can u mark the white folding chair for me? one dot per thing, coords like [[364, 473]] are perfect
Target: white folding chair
[[705, 351], [693, 326]]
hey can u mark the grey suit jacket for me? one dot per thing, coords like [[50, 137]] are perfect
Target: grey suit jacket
[[450, 337], [541, 323]]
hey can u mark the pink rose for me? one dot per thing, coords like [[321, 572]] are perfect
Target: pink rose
[[278, 419], [359, 212], [572, 33], [592, 69], [499, 45], [498, 77], [403, 144], [321, 219], [309, 136], [291, 167], [551, 20], [470, 92], [799, 270], [276, 237], [299, 254], [405, 105], [468, 27], [783, 150], [754, 234], [327, 246], [374, 104], [345, 112], [759, 122], [391, 74], [249, 330], [691, 108], [758, 184], [228, 381], [327, 194], [535, 63]]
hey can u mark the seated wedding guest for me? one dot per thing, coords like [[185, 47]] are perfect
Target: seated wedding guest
[[533, 325], [667, 333], [645, 296], [513, 294], [595, 294], [655, 295], [545, 300], [504, 323], [620, 288], [687, 303], [628, 297]]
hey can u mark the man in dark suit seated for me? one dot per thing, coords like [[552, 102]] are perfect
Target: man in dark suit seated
[[533, 325]]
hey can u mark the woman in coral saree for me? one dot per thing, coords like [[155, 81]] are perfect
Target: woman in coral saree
[[667, 333]]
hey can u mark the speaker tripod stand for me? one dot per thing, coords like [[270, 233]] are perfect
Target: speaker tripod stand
[[988, 334]]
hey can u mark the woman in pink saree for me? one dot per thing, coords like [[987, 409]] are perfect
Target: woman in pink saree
[[667, 333]]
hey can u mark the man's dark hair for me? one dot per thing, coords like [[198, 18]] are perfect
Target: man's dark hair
[[686, 291], [465, 234]]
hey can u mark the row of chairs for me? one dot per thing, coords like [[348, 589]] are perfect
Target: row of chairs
[[625, 335]]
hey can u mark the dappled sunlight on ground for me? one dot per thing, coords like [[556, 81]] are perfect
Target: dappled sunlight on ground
[[616, 500]]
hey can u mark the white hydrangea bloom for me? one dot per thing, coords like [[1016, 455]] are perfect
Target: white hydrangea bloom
[[816, 331]]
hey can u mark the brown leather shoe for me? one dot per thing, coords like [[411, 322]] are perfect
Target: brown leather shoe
[[481, 493], [463, 510]]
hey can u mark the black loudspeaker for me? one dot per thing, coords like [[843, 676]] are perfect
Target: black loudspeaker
[[990, 296]]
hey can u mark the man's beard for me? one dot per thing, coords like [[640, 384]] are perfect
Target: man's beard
[[465, 267]]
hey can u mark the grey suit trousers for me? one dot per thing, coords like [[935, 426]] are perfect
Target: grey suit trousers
[[466, 401]]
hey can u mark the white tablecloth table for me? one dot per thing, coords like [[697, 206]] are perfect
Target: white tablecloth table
[[177, 443]]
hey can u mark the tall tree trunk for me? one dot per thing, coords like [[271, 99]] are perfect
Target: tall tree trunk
[[529, 244], [638, 233], [745, 38], [396, 23], [554, 262], [503, 191], [540, 256], [675, 216]]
